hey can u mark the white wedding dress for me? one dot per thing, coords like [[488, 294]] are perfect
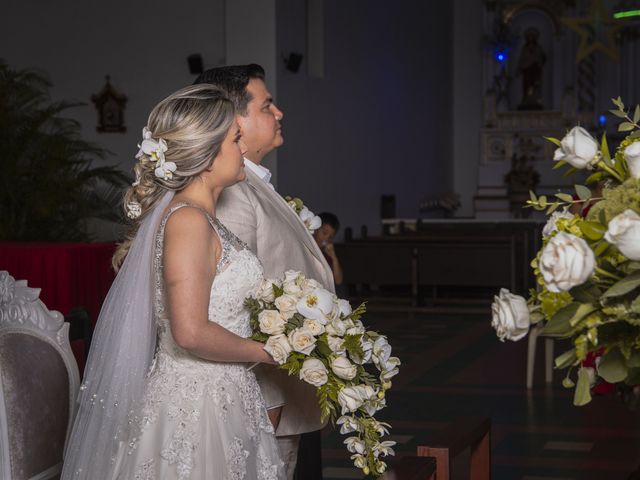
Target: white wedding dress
[[201, 419]]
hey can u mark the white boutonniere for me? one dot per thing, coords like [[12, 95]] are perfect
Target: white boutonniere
[[310, 219]]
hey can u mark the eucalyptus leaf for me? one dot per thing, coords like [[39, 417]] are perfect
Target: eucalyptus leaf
[[592, 230], [618, 113], [565, 197], [582, 394], [624, 286], [613, 366], [583, 192], [626, 127], [636, 114], [570, 172]]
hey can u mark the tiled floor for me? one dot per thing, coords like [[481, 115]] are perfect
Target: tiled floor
[[453, 365]]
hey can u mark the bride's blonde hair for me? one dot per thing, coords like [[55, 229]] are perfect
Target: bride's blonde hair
[[193, 122]]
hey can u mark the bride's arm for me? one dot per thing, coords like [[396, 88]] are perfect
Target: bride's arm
[[190, 250]]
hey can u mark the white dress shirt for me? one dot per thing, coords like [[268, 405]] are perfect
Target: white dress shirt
[[261, 172]]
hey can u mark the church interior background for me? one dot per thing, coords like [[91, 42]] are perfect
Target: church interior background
[[421, 125]]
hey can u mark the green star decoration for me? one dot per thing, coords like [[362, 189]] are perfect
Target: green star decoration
[[597, 30]]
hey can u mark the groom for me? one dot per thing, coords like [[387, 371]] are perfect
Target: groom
[[259, 216]]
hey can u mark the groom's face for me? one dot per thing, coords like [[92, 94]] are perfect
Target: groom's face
[[261, 130]]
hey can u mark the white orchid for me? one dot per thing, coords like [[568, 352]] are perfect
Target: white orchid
[[384, 448], [355, 445], [348, 424], [317, 305], [155, 150], [310, 219]]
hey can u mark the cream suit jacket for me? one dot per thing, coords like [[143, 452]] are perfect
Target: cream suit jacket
[[260, 217]]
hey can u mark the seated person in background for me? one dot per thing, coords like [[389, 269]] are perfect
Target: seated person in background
[[324, 238]]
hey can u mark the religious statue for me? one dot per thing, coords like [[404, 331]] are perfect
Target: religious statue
[[531, 67]]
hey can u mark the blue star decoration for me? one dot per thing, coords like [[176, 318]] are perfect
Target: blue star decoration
[[597, 30]]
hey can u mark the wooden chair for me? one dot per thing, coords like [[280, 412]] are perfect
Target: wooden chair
[[412, 468], [39, 382], [466, 433]]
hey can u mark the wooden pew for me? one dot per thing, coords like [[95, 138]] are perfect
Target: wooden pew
[[466, 433], [412, 468]]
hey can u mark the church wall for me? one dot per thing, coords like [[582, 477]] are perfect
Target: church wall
[[379, 122]]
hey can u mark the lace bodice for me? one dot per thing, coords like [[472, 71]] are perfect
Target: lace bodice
[[238, 275]]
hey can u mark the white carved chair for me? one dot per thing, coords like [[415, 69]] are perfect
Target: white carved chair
[[534, 333], [39, 382]]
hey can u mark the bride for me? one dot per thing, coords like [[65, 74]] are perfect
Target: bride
[[168, 392]]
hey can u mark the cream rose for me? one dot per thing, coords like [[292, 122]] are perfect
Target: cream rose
[[336, 327], [343, 368], [278, 347], [344, 308], [566, 261], [314, 372], [551, 225], [309, 284], [314, 326], [624, 232], [510, 316], [356, 329], [271, 322], [578, 148], [302, 340], [632, 157], [336, 344], [265, 292], [287, 305], [292, 283]]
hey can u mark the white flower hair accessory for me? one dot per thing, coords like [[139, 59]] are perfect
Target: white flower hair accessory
[[134, 210], [155, 149]]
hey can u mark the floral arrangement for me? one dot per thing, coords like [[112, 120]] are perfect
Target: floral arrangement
[[310, 219], [588, 269], [319, 338]]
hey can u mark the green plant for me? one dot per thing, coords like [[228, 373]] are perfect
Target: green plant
[[49, 184]]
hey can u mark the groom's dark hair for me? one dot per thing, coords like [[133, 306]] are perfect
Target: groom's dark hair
[[233, 79]]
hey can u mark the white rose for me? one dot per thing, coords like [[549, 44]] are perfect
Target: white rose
[[336, 344], [271, 322], [381, 352], [566, 261], [314, 372], [624, 232], [316, 304], [337, 328], [551, 225], [314, 326], [278, 347], [287, 305], [343, 368], [367, 348], [292, 283], [309, 285], [352, 398], [578, 148], [265, 291], [348, 424], [510, 316], [344, 307], [302, 340], [632, 157], [355, 445], [356, 329]]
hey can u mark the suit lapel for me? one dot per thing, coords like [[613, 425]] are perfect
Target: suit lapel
[[265, 191]]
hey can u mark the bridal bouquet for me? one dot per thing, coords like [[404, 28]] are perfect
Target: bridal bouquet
[[588, 269], [318, 337]]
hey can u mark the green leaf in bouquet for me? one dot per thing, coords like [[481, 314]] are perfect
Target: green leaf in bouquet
[[630, 267], [553, 208], [624, 286], [600, 248], [542, 201], [567, 359], [570, 172], [532, 196], [277, 291], [536, 317], [322, 345], [565, 197], [353, 346], [358, 312], [293, 363], [626, 127], [594, 177], [592, 230], [634, 135], [555, 141], [568, 383], [619, 113], [562, 323], [583, 192], [582, 394], [618, 103], [559, 164], [636, 114], [586, 293], [604, 149], [613, 366], [635, 305], [634, 360]]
